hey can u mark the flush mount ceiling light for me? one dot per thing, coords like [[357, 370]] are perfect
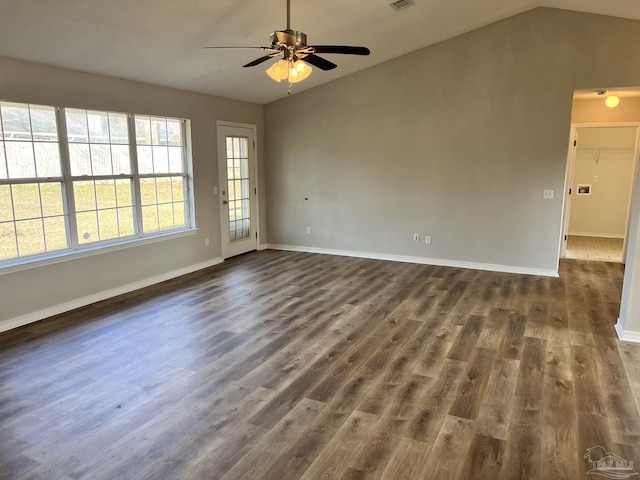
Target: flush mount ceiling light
[[611, 101], [297, 56]]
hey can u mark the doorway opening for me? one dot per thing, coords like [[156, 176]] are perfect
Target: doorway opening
[[590, 109], [602, 165]]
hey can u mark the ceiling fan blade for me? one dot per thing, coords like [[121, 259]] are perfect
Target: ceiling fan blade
[[343, 49], [260, 60], [261, 48], [319, 62]]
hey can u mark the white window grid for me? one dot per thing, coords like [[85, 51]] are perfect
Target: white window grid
[[68, 199], [14, 220]]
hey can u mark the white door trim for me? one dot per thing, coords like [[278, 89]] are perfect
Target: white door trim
[[221, 156], [566, 197]]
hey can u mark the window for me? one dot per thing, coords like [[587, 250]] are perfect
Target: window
[[113, 177], [160, 148], [32, 216], [101, 174]]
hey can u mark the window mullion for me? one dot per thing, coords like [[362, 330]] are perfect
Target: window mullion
[[2, 145], [186, 176], [68, 197], [137, 196], [15, 223]]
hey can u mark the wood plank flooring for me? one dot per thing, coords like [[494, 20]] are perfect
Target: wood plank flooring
[[281, 365]]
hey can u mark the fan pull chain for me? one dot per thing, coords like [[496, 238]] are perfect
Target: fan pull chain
[[290, 88]]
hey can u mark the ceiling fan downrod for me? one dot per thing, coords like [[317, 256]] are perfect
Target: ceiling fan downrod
[[288, 14]]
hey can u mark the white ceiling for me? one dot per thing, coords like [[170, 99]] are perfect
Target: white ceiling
[[161, 41]]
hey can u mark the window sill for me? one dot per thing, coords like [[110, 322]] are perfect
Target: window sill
[[67, 255]]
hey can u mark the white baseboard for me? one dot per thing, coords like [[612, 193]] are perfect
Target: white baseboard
[[420, 260], [89, 299], [598, 235], [97, 297], [627, 336]]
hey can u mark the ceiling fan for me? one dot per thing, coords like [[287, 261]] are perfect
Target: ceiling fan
[[297, 56]]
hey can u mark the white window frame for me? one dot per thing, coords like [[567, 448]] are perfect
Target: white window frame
[[77, 250], [137, 176]]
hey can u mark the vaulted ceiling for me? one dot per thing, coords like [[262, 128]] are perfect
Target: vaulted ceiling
[[161, 41]]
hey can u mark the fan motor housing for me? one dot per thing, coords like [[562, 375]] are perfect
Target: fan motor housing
[[289, 38]]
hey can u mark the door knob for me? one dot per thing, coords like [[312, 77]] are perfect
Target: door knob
[[225, 202]]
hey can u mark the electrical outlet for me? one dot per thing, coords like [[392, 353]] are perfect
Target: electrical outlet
[[206, 241], [308, 230], [427, 240], [416, 237]]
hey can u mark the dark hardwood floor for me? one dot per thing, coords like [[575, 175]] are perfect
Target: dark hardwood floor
[[280, 365]]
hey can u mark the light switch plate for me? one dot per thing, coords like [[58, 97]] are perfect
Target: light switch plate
[[547, 195]]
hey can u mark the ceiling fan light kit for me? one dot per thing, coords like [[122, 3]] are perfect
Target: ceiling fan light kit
[[289, 70], [297, 56]]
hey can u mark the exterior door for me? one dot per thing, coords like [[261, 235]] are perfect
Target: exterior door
[[238, 189]]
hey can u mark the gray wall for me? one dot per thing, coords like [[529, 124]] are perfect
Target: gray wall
[[629, 322], [457, 141], [38, 289]]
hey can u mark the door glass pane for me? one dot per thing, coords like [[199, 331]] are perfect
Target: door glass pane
[[238, 187], [232, 231]]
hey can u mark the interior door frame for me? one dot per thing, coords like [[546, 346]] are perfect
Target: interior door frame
[[222, 186], [570, 170]]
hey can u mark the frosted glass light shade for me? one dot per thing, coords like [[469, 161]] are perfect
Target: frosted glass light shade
[[612, 101], [299, 71], [288, 69], [279, 71]]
